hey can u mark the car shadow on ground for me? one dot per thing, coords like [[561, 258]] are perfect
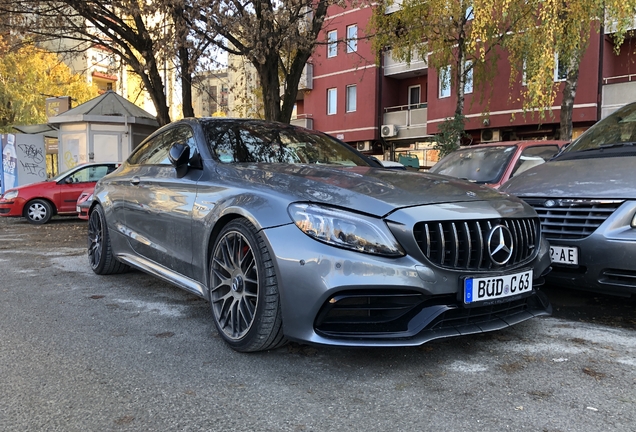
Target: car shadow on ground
[[577, 305]]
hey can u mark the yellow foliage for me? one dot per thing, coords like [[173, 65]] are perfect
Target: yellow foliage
[[30, 75]]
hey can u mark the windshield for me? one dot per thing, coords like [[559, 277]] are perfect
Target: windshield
[[480, 165], [236, 142], [617, 129]]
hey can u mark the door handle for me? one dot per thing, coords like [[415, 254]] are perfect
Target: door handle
[[135, 180]]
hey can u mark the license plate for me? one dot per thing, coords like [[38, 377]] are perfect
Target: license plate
[[496, 287], [564, 255], [77, 209]]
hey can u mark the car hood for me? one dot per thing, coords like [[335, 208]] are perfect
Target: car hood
[[608, 177], [26, 187], [370, 190]]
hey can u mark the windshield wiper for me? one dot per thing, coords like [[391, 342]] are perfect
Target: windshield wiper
[[608, 146]]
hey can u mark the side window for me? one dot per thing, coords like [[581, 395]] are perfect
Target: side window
[[155, 151], [533, 156], [144, 150], [81, 176], [182, 134], [97, 172]]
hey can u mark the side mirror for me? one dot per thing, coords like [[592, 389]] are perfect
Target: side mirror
[[68, 180], [179, 156]]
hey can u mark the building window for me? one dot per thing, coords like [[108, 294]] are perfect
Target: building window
[[332, 100], [560, 69], [332, 43], [414, 96], [468, 83], [352, 38], [470, 13], [444, 82], [352, 91]]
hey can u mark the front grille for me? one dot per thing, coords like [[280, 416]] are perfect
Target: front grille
[[572, 219], [463, 245]]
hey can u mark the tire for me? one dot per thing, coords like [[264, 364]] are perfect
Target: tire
[[100, 254], [244, 290], [38, 211]]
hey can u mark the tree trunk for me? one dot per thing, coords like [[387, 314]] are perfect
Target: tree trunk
[[292, 80], [567, 105], [270, 84], [186, 82], [156, 89]]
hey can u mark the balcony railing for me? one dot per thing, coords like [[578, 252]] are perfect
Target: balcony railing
[[409, 119], [395, 6], [617, 91], [303, 120], [401, 69]]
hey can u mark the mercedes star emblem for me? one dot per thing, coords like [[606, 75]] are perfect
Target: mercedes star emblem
[[500, 244]]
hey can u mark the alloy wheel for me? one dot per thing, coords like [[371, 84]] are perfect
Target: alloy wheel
[[234, 292], [95, 238]]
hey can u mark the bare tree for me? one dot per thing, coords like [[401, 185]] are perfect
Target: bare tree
[[147, 36], [276, 36]]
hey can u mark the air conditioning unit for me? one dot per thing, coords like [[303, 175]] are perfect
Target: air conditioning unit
[[490, 135], [364, 146], [388, 131]]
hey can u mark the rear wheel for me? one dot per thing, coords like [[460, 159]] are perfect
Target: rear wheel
[[244, 290], [100, 254], [38, 211]]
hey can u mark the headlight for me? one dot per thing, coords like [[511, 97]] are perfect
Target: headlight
[[344, 229], [634, 221], [10, 195], [85, 197]]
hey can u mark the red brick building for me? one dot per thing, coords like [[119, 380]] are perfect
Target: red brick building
[[394, 108]]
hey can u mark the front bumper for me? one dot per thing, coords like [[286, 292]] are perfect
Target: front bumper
[[12, 208], [333, 296], [605, 265], [607, 257]]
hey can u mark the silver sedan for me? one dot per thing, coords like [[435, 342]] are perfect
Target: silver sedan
[[586, 199], [293, 235]]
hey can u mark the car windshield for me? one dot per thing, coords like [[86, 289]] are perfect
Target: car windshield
[[238, 142], [480, 165], [616, 130]]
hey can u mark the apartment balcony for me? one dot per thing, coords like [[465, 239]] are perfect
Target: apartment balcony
[[303, 120], [395, 6], [610, 27], [617, 91], [400, 69], [306, 82], [408, 121]]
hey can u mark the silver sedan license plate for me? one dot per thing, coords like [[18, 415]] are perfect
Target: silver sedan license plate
[[496, 287], [564, 255]]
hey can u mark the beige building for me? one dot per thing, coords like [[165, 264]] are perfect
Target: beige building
[[245, 96], [105, 69], [210, 91]]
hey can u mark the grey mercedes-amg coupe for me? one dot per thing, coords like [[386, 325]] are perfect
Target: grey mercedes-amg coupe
[[293, 235]]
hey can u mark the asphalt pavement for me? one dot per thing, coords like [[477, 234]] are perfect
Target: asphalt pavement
[[81, 352]]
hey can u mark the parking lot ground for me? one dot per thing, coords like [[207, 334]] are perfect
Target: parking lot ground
[[80, 352]]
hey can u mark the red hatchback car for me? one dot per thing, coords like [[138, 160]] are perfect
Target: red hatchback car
[[494, 164], [38, 202]]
